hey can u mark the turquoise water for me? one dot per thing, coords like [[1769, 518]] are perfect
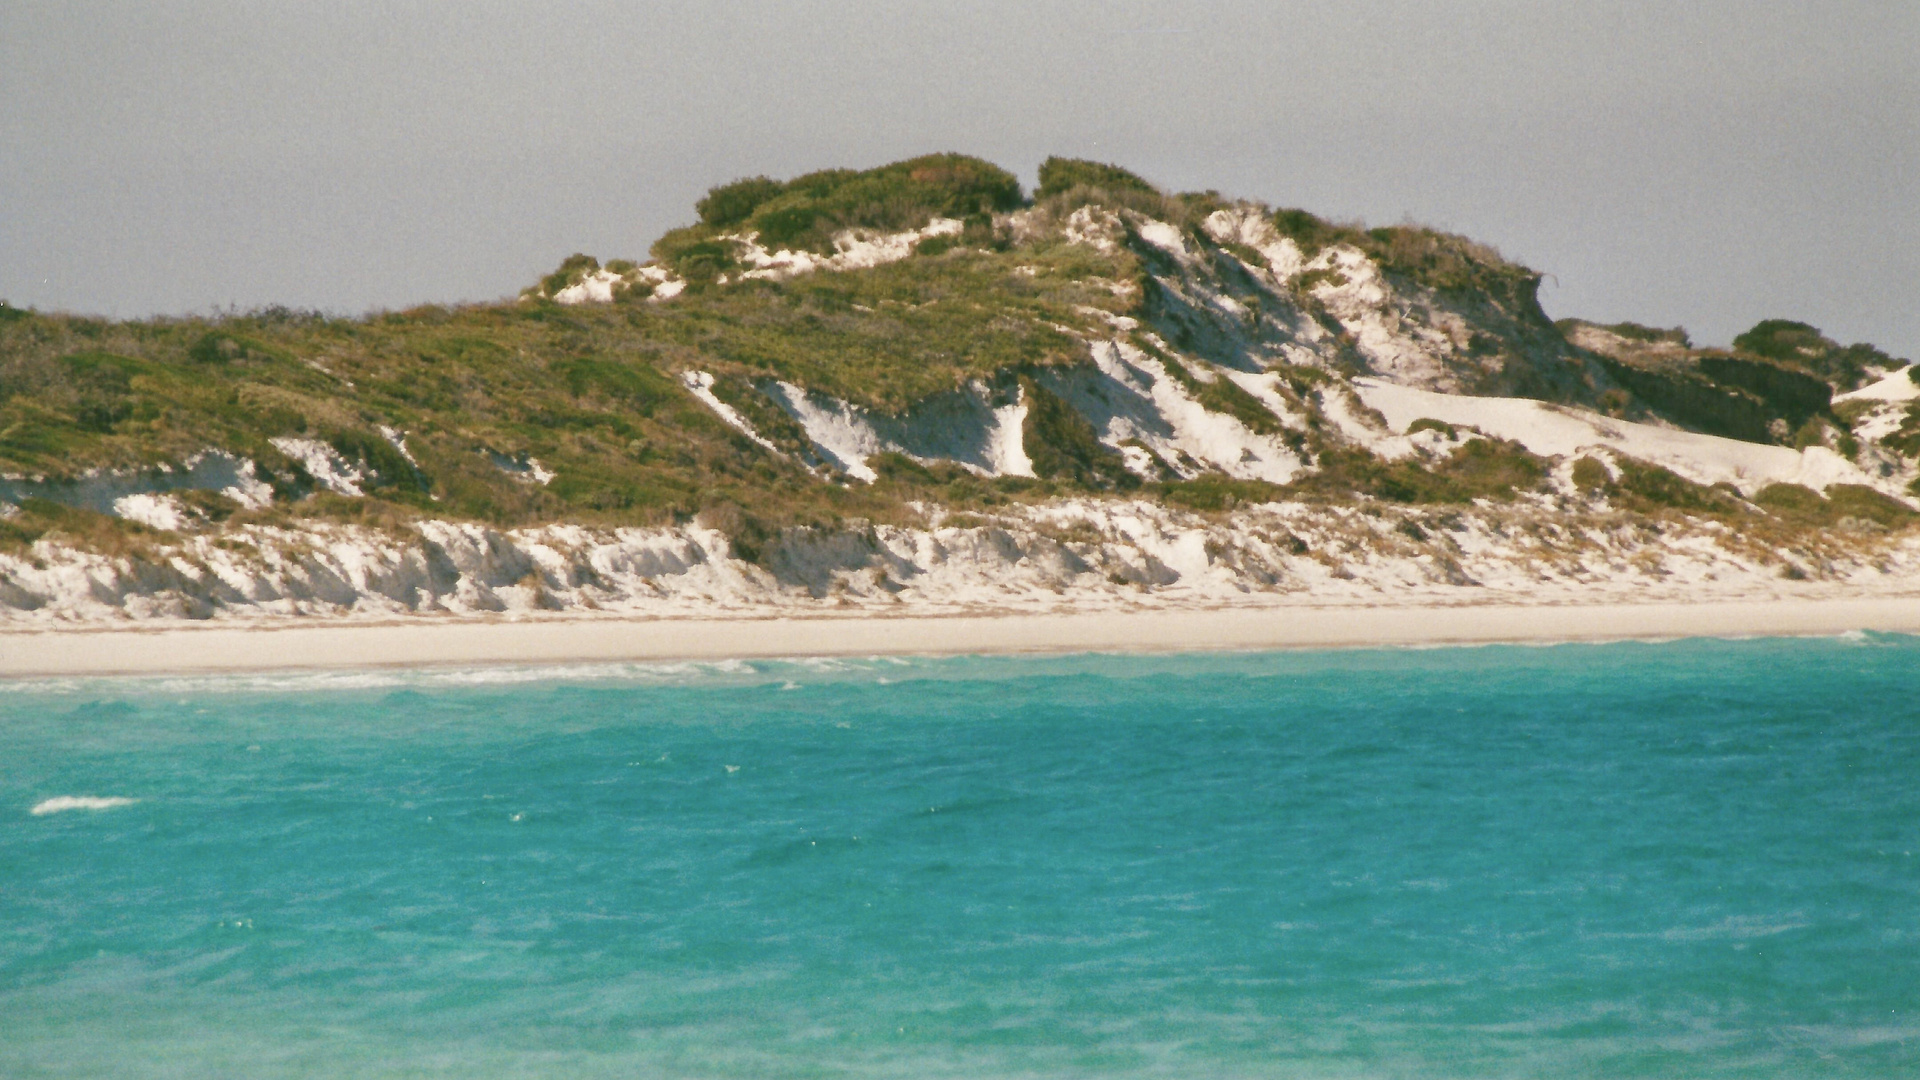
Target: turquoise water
[[1682, 859]]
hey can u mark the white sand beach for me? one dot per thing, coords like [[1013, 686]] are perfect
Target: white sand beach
[[433, 641]]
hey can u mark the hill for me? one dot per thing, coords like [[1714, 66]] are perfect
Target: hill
[[920, 347]]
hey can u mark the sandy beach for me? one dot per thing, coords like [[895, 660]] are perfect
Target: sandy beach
[[298, 644]]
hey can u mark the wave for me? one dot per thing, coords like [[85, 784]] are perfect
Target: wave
[[792, 673], [78, 802], [405, 678]]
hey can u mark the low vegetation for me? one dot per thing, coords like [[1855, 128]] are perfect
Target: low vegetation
[[1805, 347], [426, 405], [805, 213], [1481, 468]]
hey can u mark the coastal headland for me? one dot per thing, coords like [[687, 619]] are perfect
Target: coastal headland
[[919, 408]]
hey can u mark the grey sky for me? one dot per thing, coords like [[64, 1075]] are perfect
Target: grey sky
[[1706, 164]]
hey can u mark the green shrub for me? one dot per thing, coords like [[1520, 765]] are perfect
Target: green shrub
[[805, 213], [1906, 439], [1214, 493], [1694, 401], [1632, 331], [1222, 395], [1645, 486], [1792, 500], [730, 204], [573, 269], [105, 370], [1063, 445], [1438, 260], [40, 519], [1428, 423], [637, 387], [1480, 468], [1805, 506], [1591, 474], [1782, 339], [1311, 233], [387, 466], [1491, 468], [1323, 275], [1059, 175], [1850, 413], [1790, 392], [1301, 379], [1447, 262], [1860, 501], [935, 245], [1804, 346], [768, 419], [695, 254]]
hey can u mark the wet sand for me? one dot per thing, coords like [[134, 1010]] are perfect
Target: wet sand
[[444, 641]]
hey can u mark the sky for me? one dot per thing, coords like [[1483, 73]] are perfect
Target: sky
[[1705, 164]]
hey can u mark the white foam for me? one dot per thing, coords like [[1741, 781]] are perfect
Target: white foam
[[78, 802]]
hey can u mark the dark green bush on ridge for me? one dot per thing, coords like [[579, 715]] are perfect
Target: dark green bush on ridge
[[1633, 331], [1804, 346], [572, 269], [1432, 258], [1310, 232], [1059, 175], [805, 213], [730, 204], [1782, 339]]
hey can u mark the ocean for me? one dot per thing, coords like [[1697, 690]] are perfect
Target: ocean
[[1693, 858]]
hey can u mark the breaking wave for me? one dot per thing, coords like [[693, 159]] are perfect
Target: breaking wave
[[78, 802]]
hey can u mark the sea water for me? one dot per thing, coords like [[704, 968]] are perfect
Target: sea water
[[1689, 859]]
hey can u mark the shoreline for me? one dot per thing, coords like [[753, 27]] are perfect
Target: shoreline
[[302, 645]]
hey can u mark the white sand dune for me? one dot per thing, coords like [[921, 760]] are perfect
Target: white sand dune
[[1559, 431]]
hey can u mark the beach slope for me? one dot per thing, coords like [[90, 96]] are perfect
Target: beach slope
[[530, 640]]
